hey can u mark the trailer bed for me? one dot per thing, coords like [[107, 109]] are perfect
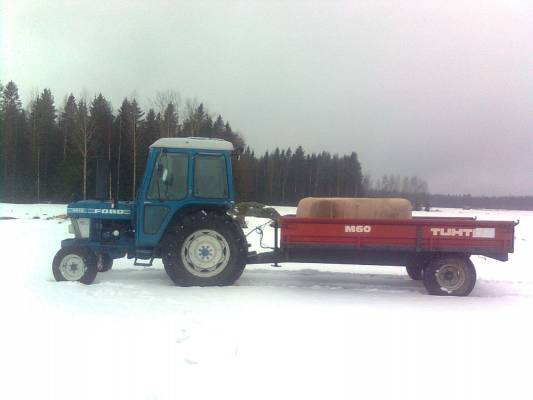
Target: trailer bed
[[494, 239]]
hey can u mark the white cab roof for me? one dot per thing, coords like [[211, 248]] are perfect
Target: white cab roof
[[193, 143]]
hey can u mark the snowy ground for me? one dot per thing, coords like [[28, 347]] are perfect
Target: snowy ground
[[297, 332]]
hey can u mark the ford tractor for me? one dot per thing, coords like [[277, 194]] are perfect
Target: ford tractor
[[179, 215]]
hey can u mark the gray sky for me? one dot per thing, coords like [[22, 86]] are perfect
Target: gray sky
[[441, 89]]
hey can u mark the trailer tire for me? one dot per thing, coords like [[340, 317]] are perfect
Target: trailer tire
[[414, 272], [104, 263], [449, 276], [204, 249], [82, 268]]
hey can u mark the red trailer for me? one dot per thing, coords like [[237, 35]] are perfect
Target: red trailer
[[434, 250]]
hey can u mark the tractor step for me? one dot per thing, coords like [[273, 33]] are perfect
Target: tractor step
[[143, 264]]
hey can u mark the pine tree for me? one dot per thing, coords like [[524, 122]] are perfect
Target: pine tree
[[285, 166], [11, 108], [298, 182], [354, 176], [129, 121], [122, 145], [169, 123], [244, 176], [102, 123], [150, 129], [35, 145], [218, 128], [67, 122], [102, 119], [49, 144], [70, 167], [195, 119]]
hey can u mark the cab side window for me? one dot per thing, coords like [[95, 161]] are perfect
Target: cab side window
[[169, 179], [210, 176]]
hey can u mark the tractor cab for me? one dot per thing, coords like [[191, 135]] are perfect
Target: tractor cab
[[182, 176], [185, 179]]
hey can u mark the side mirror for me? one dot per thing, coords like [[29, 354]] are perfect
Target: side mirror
[[166, 177]]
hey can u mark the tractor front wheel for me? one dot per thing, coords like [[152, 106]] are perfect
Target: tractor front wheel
[[204, 249], [104, 263], [75, 264]]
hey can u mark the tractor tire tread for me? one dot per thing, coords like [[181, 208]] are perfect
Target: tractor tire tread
[[179, 231]]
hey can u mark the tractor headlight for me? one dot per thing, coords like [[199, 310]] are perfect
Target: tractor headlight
[[80, 227]]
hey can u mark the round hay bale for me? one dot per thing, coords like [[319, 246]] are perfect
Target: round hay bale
[[360, 208]]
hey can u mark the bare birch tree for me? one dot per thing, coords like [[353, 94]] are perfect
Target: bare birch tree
[[83, 138], [168, 105], [135, 115]]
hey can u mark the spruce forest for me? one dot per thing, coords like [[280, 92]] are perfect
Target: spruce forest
[[49, 152]]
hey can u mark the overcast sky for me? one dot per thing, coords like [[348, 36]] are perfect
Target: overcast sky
[[440, 89]]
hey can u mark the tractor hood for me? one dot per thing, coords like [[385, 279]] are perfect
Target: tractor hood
[[101, 209]]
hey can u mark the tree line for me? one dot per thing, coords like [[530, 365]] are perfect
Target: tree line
[[48, 152], [282, 177], [412, 188], [468, 201]]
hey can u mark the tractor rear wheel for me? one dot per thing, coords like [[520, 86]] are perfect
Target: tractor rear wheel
[[75, 264], [204, 249], [449, 276]]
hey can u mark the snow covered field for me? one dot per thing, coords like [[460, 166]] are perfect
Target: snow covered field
[[297, 332]]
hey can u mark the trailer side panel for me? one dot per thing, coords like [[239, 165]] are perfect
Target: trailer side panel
[[416, 235]]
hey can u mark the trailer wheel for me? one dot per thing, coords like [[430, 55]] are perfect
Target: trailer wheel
[[414, 272], [104, 263], [75, 264], [204, 249], [449, 276]]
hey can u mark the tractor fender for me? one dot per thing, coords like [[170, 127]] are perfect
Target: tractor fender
[[73, 243], [184, 212]]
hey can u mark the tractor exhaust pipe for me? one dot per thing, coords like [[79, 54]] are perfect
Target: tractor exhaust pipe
[[102, 180]]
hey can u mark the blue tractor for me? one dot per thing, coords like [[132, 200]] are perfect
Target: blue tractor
[[180, 215]]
